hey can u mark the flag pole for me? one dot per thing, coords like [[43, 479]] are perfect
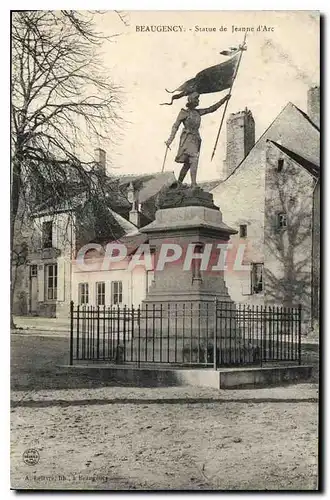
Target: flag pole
[[229, 93]]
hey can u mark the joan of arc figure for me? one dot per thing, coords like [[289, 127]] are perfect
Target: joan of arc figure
[[190, 140]]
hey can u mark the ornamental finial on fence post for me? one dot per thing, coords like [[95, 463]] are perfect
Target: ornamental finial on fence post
[[71, 332]]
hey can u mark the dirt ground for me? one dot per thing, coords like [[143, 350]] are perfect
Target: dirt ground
[[166, 438]]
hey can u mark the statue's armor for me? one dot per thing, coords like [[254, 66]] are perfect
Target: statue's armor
[[190, 140]]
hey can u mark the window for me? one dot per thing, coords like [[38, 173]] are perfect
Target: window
[[281, 220], [292, 200], [100, 293], [150, 279], [280, 164], [243, 231], [33, 270], [196, 263], [51, 281], [257, 278], [116, 292], [83, 294], [47, 234]]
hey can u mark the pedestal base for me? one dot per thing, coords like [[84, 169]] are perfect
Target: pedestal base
[[179, 318]]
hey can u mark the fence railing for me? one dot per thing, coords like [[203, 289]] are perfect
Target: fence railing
[[186, 334]]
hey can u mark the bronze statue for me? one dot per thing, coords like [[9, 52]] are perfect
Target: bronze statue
[[190, 140]]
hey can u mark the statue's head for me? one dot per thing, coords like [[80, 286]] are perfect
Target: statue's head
[[193, 100]]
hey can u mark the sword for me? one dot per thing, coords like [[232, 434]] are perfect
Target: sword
[[167, 148]]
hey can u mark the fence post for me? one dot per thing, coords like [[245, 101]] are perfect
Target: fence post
[[118, 335], [98, 333], [139, 332], [132, 330], [71, 333], [264, 339], [299, 334], [262, 327], [215, 334], [77, 340], [124, 332]]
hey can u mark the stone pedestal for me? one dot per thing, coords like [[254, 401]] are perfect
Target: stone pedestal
[[184, 299], [189, 223]]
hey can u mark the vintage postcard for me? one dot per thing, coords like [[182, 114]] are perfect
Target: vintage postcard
[[165, 244]]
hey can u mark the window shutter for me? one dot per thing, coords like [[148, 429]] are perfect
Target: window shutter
[[246, 283], [112, 293], [150, 278], [273, 220], [41, 283], [60, 279]]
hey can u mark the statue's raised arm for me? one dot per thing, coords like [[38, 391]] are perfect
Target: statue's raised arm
[[214, 107]]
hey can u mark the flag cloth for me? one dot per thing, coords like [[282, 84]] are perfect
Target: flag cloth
[[214, 79], [232, 51]]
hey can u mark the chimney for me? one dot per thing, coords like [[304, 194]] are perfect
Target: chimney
[[135, 217], [313, 104], [134, 214], [240, 139], [101, 159]]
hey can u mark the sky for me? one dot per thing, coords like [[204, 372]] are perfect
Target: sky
[[278, 66]]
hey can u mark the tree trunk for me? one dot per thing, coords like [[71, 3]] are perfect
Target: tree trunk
[[15, 196]]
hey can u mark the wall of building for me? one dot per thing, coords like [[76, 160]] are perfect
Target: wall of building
[[19, 274], [64, 245], [288, 250], [60, 254], [134, 283], [241, 201], [316, 253], [248, 194]]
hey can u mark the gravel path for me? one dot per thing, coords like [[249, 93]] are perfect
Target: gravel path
[[121, 438], [125, 438]]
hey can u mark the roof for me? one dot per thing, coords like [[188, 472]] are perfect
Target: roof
[[49, 207], [129, 228], [147, 186], [154, 185], [307, 117], [312, 169], [132, 242], [296, 132], [301, 135], [132, 178], [209, 185], [137, 178]]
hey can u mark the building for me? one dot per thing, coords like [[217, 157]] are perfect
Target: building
[[271, 196], [113, 284], [45, 280]]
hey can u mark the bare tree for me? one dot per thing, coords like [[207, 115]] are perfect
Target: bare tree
[[62, 101]]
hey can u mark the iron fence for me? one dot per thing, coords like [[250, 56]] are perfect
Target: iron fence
[[209, 334]]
